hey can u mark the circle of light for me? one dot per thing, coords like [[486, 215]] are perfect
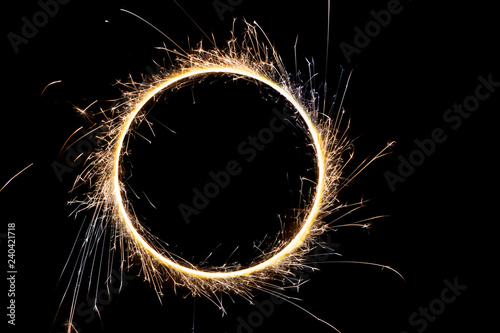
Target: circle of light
[[299, 238]]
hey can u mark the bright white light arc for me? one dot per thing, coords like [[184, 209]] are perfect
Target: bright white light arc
[[247, 73]]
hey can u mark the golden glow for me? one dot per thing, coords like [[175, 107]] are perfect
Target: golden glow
[[171, 81], [248, 59]]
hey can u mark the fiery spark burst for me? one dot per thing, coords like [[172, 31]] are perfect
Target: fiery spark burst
[[248, 58]]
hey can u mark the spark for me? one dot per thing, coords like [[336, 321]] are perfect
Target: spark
[[252, 58], [13, 177], [48, 85], [83, 111]]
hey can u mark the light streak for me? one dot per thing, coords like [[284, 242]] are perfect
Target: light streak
[[17, 174], [168, 83], [48, 85]]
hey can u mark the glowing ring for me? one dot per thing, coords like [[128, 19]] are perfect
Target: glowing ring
[[190, 73]]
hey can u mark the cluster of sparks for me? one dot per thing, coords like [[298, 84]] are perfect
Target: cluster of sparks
[[251, 58]]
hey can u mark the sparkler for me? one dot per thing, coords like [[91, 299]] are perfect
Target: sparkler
[[256, 61]]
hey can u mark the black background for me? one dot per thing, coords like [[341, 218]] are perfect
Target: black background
[[441, 221]]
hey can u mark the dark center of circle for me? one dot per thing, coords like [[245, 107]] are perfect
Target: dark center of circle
[[221, 180]]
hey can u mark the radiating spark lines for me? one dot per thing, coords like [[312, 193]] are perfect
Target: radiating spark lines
[[253, 58], [248, 59]]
